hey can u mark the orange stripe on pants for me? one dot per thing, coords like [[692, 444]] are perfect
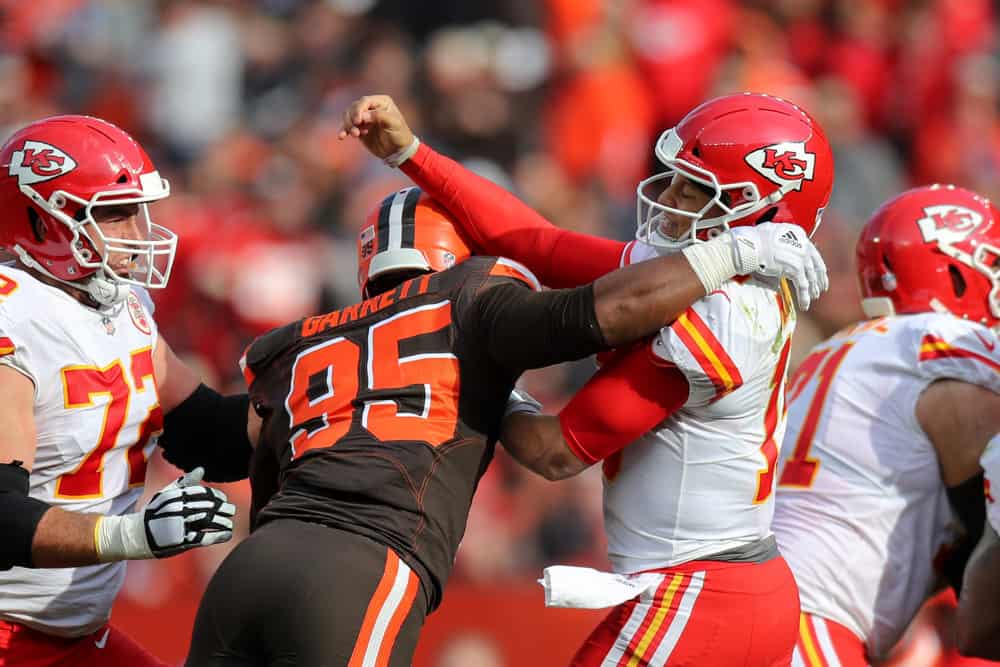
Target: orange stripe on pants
[[386, 611]]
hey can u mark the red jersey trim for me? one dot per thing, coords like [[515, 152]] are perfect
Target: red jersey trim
[[935, 347]]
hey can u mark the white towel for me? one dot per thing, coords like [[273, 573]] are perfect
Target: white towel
[[586, 588]]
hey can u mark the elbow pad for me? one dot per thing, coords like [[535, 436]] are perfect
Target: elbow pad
[[19, 516], [209, 430]]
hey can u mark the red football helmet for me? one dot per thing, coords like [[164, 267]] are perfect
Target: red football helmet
[[758, 156], [935, 248], [408, 231], [53, 174]]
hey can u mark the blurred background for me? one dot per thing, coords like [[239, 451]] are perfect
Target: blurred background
[[239, 101]]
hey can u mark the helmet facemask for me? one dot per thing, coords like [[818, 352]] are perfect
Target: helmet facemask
[[736, 201], [986, 260], [152, 254]]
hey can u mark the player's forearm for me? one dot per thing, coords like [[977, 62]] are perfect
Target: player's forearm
[[536, 442], [500, 224], [641, 299], [978, 616], [65, 539]]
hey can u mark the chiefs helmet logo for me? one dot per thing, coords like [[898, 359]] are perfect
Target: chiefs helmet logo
[[787, 164], [948, 224], [38, 161]]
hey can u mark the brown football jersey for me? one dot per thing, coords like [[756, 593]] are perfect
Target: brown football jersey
[[381, 417]]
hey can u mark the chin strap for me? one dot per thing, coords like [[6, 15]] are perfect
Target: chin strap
[[105, 291]]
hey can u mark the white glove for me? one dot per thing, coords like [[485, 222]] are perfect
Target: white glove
[[182, 515], [782, 250], [521, 401]]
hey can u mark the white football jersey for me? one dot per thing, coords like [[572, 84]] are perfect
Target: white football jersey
[[702, 482], [990, 461], [97, 415], [861, 509]]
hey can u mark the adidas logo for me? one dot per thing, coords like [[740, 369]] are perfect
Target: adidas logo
[[791, 239]]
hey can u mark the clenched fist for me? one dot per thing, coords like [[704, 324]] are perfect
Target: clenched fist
[[381, 127]]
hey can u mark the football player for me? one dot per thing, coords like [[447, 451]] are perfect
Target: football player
[[880, 494], [379, 419], [88, 385], [690, 445]]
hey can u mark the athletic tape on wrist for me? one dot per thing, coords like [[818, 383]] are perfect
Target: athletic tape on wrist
[[404, 154], [714, 262]]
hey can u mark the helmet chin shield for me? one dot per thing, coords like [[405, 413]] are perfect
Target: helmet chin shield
[[151, 253], [652, 216]]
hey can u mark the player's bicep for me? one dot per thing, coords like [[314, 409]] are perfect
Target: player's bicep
[[17, 421], [959, 419], [175, 380], [626, 398], [524, 329]]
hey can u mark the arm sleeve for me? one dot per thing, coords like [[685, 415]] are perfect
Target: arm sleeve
[[500, 224], [525, 329], [643, 390], [950, 348]]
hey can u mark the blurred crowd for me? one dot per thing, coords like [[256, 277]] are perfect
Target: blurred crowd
[[239, 103]]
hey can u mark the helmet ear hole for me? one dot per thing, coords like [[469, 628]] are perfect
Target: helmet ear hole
[[957, 280], [37, 226], [123, 178]]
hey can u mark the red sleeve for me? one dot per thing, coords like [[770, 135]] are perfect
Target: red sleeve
[[501, 224], [625, 398]]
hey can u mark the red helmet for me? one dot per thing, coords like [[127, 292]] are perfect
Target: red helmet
[[408, 231], [935, 248], [758, 156], [53, 173]]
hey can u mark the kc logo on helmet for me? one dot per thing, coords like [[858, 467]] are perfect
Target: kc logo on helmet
[[38, 161], [948, 224], [788, 164]]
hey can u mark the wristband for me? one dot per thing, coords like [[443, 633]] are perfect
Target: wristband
[[715, 261], [121, 538], [403, 154]]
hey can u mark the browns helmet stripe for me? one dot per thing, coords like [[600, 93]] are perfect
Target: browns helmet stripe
[[409, 217], [382, 229], [396, 228]]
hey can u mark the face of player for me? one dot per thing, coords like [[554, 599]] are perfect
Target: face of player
[[118, 222], [683, 194]]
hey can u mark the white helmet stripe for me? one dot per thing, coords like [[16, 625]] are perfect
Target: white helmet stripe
[[396, 219]]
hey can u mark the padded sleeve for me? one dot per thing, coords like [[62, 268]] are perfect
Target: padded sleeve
[[627, 397]]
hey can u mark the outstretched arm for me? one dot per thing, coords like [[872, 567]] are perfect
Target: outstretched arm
[[497, 222], [180, 517], [501, 224], [645, 390]]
